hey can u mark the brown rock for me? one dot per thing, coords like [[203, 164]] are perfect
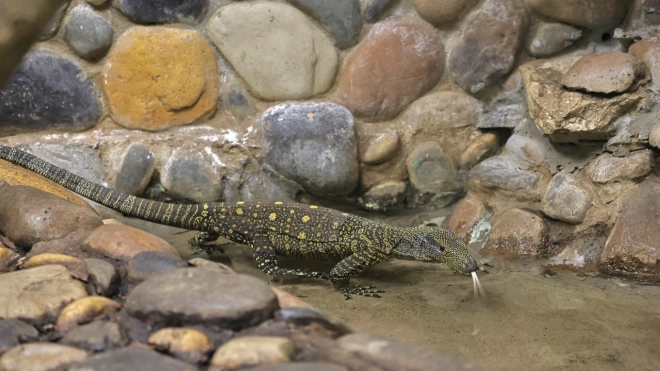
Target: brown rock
[[122, 242], [447, 117], [186, 344], [382, 148], [70, 245], [40, 357], [516, 233], [481, 147], [287, 300], [489, 41], [592, 14], [632, 249], [507, 176], [546, 39], [466, 215], [177, 82], [440, 11], [17, 175], [77, 267], [565, 199], [648, 51], [252, 351], [84, 310], [400, 59], [604, 73], [7, 259], [37, 295], [41, 215], [210, 265], [569, 115], [607, 168], [383, 196]]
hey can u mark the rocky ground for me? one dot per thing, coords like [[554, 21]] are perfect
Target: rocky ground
[[81, 293]]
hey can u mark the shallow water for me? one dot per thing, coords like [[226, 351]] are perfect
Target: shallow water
[[528, 321]]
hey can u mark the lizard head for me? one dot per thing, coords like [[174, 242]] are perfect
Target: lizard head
[[431, 244]]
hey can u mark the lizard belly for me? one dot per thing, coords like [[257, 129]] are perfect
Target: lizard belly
[[293, 247]]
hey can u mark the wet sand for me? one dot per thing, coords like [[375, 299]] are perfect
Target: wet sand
[[527, 321]]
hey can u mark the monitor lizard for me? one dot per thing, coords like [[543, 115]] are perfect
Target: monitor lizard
[[270, 229]]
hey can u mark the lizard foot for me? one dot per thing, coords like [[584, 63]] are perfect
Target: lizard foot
[[207, 248], [369, 291], [300, 273]]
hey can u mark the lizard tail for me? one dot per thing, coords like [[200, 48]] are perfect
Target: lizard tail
[[182, 216]]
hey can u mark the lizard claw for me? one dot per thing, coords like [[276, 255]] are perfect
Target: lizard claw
[[368, 291]]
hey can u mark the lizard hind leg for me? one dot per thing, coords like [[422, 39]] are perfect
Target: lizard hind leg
[[266, 259], [201, 242]]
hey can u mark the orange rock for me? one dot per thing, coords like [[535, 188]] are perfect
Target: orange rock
[[176, 83], [122, 242]]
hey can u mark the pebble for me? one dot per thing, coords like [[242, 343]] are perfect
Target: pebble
[[147, 263], [605, 73], [98, 336], [103, 276], [146, 11], [67, 245], [287, 300], [186, 344], [382, 148], [40, 357], [479, 149], [77, 267], [88, 34], [69, 102], [190, 296], [121, 242], [287, 57], [300, 366], [179, 81], [84, 310], [399, 60], [14, 332], [431, 171], [549, 38], [607, 168], [516, 233], [193, 175], [314, 145], [340, 17], [131, 358], [388, 195], [136, 167], [38, 294], [210, 265], [489, 38], [252, 351], [53, 24]]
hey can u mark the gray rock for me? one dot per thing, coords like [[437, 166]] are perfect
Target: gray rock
[[375, 9], [148, 263], [340, 17], [87, 33], [607, 168], [210, 265], [546, 39], [314, 145], [193, 175], [632, 246], [162, 11], [505, 175], [565, 199], [299, 366], [489, 41], [29, 215], [387, 195], [103, 276], [432, 172], [97, 2], [53, 24], [401, 356], [300, 316], [40, 356], [37, 295], [246, 351], [599, 15], [48, 92], [131, 358], [14, 332], [82, 161], [190, 296], [236, 98], [99, 336], [135, 171]]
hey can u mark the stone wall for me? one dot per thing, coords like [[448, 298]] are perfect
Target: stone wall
[[537, 115]]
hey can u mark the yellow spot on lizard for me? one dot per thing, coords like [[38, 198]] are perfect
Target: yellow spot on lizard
[[239, 211], [301, 235], [240, 203], [305, 218], [278, 202], [272, 216], [313, 207]]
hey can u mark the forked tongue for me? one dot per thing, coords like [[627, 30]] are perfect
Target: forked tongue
[[478, 289]]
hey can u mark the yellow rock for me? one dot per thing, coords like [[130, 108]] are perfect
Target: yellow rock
[[7, 258], [177, 81], [77, 267], [252, 351], [187, 344], [17, 175], [84, 310]]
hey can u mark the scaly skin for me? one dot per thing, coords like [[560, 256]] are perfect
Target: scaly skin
[[270, 229]]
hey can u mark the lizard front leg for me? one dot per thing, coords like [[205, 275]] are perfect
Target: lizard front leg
[[264, 254], [350, 266], [201, 242]]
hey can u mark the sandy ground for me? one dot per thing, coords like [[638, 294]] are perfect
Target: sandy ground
[[527, 321]]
